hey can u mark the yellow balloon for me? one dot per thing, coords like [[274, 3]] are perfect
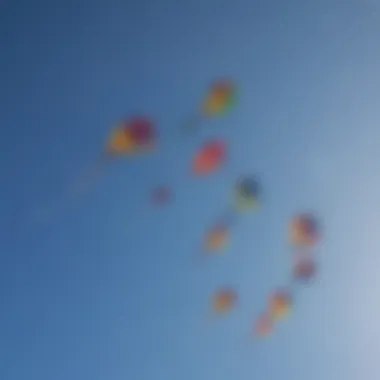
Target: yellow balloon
[[121, 142], [224, 301], [214, 105], [217, 240], [280, 307], [243, 204]]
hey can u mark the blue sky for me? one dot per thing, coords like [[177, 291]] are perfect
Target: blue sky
[[109, 289]]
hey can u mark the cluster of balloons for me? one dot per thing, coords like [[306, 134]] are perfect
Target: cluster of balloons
[[246, 197], [304, 234], [138, 135]]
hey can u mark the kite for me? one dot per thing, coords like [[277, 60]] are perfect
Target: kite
[[209, 158], [220, 99]]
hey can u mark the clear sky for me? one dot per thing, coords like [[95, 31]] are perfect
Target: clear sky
[[109, 289]]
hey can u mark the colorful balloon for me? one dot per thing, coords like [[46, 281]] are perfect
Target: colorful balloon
[[217, 239], [305, 270], [210, 157], [120, 142], [304, 231], [224, 300], [220, 99], [247, 193], [280, 305], [132, 136]]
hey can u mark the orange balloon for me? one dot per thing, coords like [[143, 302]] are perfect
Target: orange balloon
[[217, 239], [209, 158], [121, 142], [304, 231], [280, 305], [224, 300]]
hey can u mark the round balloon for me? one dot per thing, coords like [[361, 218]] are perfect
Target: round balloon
[[247, 192], [304, 231], [305, 270], [220, 98], [280, 305], [210, 157], [224, 300], [217, 239]]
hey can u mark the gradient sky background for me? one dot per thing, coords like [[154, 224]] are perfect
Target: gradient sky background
[[109, 289]]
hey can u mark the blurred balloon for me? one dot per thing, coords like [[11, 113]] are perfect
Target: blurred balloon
[[247, 193], [220, 98], [304, 231], [305, 270], [210, 157], [224, 300], [280, 305], [217, 239], [132, 136], [135, 135]]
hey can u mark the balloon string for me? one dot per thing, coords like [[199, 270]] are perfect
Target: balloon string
[[90, 178]]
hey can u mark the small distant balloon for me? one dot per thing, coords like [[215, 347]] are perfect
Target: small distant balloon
[[210, 157], [304, 231], [220, 99], [305, 270], [132, 136], [217, 239], [248, 191], [280, 305], [224, 300]]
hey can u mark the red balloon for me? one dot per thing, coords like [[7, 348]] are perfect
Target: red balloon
[[210, 157], [142, 130]]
